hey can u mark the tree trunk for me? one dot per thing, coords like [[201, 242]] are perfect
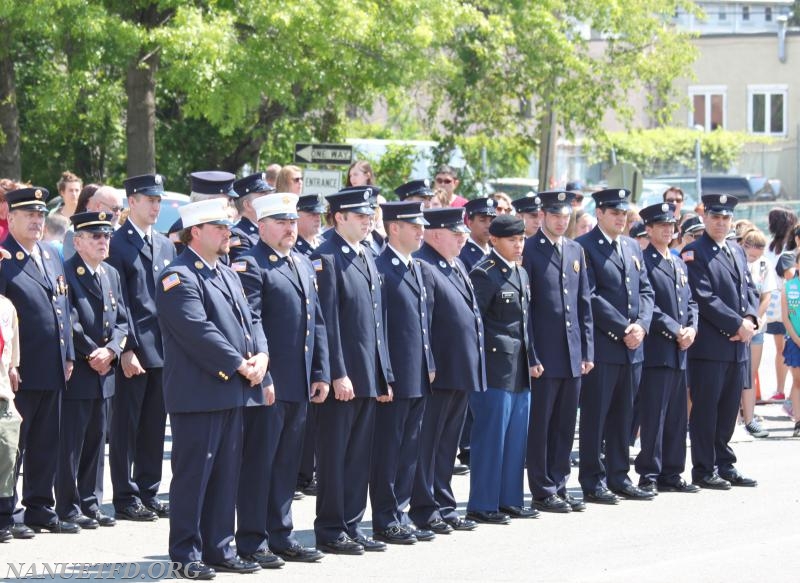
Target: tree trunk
[[10, 163], [140, 128]]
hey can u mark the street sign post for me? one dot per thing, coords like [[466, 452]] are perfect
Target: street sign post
[[322, 182], [323, 153]]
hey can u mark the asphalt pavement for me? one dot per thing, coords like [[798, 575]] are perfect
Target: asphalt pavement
[[745, 534]]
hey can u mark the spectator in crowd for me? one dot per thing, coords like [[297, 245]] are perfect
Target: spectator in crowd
[[360, 174], [790, 308], [631, 219], [503, 201], [639, 233], [584, 222], [95, 198], [55, 229], [272, 172], [9, 417], [691, 228], [782, 224], [674, 195], [290, 179], [765, 280], [447, 179], [69, 188]]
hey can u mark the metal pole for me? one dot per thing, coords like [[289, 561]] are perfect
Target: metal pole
[[698, 160]]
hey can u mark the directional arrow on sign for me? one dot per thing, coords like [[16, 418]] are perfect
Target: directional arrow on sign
[[304, 154]]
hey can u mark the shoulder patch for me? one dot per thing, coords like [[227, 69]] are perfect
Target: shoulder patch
[[317, 263], [687, 256], [239, 266], [170, 281]]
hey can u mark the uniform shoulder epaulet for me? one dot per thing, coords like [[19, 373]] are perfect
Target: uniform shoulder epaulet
[[485, 264]]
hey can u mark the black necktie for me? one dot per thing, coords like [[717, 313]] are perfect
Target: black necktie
[[37, 261], [557, 247], [615, 245], [293, 267], [149, 242]]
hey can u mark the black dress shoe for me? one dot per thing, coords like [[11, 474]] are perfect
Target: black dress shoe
[[649, 487], [300, 554], [395, 535], [678, 486], [602, 496], [196, 570], [101, 518], [712, 482], [5, 535], [265, 559], [85, 522], [423, 534], [310, 489], [552, 504], [737, 479], [57, 527], [23, 531], [460, 470], [236, 565], [136, 512], [575, 504], [437, 526], [520, 511], [461, 524], [488, 517], [370, 545], [157, 506], [631, 492], [343, 545]]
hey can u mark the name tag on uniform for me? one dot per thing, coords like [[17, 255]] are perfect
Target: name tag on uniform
[[509, 295]]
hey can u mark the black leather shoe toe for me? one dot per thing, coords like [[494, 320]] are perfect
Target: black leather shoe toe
[[395, 535], [461, 524], [602, 496], [236, 565], [195, 571], [370, 545], [552, 504], [265, 559], [57, 527], [712, 482], [488, 517], [300, 554], [343, 545]]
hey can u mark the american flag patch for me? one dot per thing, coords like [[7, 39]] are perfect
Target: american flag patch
[[239, 266], [687, 255], [170, 281], [317, 263]]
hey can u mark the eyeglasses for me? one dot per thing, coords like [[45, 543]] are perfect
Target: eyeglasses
[[114, 209], [753, 246], [674, 200], [297, 179], [97, 236], [444, 181]]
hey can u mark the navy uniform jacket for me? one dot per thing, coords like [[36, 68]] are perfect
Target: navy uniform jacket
[[561, 306], [243, 237], [407, 326], [302, 246], [45, 325], [139, 271], [208, 330], [674, 308], [621, 295], [456, 323], [504, 300], [471, 254], [724, 296], [290, 315], [350, 294], [99, 320]]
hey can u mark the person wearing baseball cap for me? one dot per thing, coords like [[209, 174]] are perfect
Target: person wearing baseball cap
[[245, 233]]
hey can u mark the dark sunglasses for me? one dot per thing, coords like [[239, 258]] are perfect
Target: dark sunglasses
[[98, 236], [674, 200], [444, 181], [297, 179]]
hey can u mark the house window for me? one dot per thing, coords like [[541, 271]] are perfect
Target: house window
[[745, 13], [767, 109], [768, 14], [708, 107]]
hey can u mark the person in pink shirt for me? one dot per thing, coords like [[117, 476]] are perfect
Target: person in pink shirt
[[447, 180]]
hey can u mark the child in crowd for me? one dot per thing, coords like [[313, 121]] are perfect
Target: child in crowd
[[790, 304]]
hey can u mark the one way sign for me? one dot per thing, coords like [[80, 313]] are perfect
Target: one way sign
[[323, 153]]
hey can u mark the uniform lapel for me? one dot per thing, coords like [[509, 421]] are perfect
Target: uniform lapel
[[608, 249], [26, 263], [547, 249], [352, 257], [135, 240]]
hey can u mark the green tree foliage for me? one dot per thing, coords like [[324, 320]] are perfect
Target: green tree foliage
[[667, 150]]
